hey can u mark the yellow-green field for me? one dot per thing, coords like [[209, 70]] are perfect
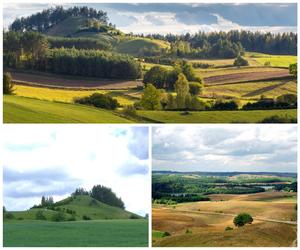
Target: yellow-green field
[[124, 97], [252, 90], [203, 223]]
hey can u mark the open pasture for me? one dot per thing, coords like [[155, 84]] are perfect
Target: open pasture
[[100, 233]]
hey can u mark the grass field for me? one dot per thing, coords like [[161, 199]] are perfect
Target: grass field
[[101, 233], [26, 110], [203, 223], [124, 97], [252, 90], [255, 116]]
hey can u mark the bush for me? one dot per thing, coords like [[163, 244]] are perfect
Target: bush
[[165, 234], [40, 215], [57, 217], [242, 219], [9, 216], [289, 99], [188, 231], [225, 105], [72, 218], [195, 88], [93, 202], [85, 217], [228, 228], [240, 61], [8, 86], [98, 100], [279, 119], [134, 217], [129, 110]]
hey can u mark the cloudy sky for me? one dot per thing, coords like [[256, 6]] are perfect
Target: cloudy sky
[[181, 18], [225, 148], [47, 160]]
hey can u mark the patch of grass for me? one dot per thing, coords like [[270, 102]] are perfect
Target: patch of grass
[[274, 60], [105, 233], [134, 45], [26, 110], [252, 90], [253, 116], [67, 95]]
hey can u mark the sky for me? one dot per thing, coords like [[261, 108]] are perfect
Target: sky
[[180, 18], [225, 148], [55, 160]]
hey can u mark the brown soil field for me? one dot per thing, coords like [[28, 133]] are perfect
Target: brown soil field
[[247, 76], [56, 81], [274, 222]]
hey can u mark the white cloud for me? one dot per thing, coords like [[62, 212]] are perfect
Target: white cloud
[[74, 155], [225, 148]]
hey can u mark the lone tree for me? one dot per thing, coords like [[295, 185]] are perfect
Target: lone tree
[[151, 98], [182, 90], [8, 86], [293, 69], [242, 219], [240, 61]]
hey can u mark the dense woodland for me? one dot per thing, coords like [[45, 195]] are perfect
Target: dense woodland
[[42, 21], [30, 50], [228, 44]]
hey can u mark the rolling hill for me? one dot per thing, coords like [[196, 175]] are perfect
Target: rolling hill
[[83, 205]]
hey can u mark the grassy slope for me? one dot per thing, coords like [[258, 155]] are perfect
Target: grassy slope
[[99, 210], [67, 27], [275, 60], [253, 90], [215, 116], [25, 110], [124, 97], [104, 233], [134, 45]]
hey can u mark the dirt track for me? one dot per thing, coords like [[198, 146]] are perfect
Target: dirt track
[[56, 81], [247, 76]]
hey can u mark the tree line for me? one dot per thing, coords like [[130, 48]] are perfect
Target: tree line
[[271, 43], [30, 50], [42, 21]]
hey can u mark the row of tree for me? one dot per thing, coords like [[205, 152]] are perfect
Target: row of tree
[[30, 50], [279, 43], [42, 21]]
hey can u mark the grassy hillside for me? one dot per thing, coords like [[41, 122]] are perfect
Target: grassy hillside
[[67, 27], [26, 110], [134, 46], [85, 205], [254, 116], [124, 97], [102, 233]]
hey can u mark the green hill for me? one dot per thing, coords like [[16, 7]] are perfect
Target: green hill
[[18, 109], [80, 206]]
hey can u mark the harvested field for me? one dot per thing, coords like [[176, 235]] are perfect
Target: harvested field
[[57, 81], [247, 77]]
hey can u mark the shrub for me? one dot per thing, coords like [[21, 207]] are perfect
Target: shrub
[[195, 88], [228, 228], [289, 99], [8, 86], [40, 215], [129, 110], [20, 218], [93, 202], [72, 218], [58, 217], [98, 100], [293, 69], [240, 61], [267, 63], [134, 217], [9, 216], [242, 219], [225, 105], [279, 119], [85, 217], [165, 234], [188, 231]]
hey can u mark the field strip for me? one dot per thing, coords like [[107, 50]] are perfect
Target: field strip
[[59, 82], [233, 215]]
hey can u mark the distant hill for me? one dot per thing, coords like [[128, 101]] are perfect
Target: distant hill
[[279, 174], [78, 206]]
